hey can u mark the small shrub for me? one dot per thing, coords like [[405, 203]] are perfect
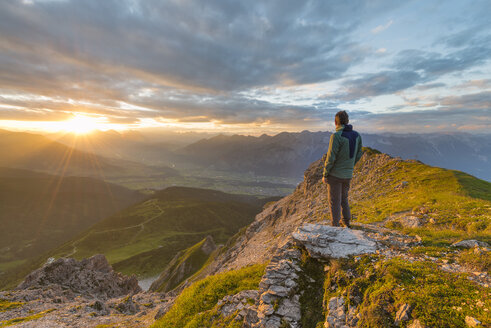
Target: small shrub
[[476, 259]]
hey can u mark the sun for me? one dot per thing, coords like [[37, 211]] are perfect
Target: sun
[[81, 124]]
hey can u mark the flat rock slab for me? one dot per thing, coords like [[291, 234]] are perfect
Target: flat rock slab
[[470, 243], [325, 241]]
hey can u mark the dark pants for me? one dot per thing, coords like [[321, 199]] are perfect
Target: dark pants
[[338, 198]]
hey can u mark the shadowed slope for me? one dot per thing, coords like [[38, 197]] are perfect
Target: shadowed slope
[[40, 211]]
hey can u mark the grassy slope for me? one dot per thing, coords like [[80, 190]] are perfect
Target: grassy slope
[[144, 238], [196, 305], [379, 287], [452, 205], [40, 211], [458, 204]]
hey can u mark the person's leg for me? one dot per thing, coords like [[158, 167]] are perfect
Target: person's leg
[[334, 191], [344, 201]]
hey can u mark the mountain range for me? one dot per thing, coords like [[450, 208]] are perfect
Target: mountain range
[[39, 153], [287, 154]]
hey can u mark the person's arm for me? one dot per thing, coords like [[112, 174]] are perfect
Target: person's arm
[[331, 155], [359, 152]]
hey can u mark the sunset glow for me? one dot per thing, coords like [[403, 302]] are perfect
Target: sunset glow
[[241, 69], [81, 125]]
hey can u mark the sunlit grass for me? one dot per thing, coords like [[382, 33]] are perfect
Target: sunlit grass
[[195, 305], [457, 204], [380, 287]]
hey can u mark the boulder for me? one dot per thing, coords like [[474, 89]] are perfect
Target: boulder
[[470, 243], [472, 322], [324, 241], [100, 308], [410, 221]]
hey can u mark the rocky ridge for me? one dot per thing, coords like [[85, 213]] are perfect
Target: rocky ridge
[[87, 293]]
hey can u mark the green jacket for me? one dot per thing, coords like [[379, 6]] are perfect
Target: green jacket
[[341, 156]]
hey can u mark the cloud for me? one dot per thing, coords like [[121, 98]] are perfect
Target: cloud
[[192, 61], [381, 28], [377, 84], [433, 64], [218, 46], [413, 67], [468, 112], [474, 101], [475, 84], [430, 86]]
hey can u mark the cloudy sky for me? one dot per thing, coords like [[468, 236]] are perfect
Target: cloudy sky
[[246, 66]]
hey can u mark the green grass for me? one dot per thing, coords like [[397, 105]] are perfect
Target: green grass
[[438, 299], [475, 260], [310, 284], [196, 305], [11, 264], [458, 204]]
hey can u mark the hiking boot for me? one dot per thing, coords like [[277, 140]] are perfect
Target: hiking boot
[[346, 224]]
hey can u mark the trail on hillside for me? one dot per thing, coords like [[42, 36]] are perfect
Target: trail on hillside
[[141, 225]]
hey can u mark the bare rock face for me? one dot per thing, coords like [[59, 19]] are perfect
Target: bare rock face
[[92, 277], [323, 241]]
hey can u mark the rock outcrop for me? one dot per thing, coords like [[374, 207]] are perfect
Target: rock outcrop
[[92, 277], [323, 241]]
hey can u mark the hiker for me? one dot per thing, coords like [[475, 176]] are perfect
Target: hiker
[[344, 152]]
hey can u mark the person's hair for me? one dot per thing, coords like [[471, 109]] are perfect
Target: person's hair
[[341, 118]]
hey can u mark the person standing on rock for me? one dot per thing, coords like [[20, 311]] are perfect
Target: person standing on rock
[[344, 152]]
